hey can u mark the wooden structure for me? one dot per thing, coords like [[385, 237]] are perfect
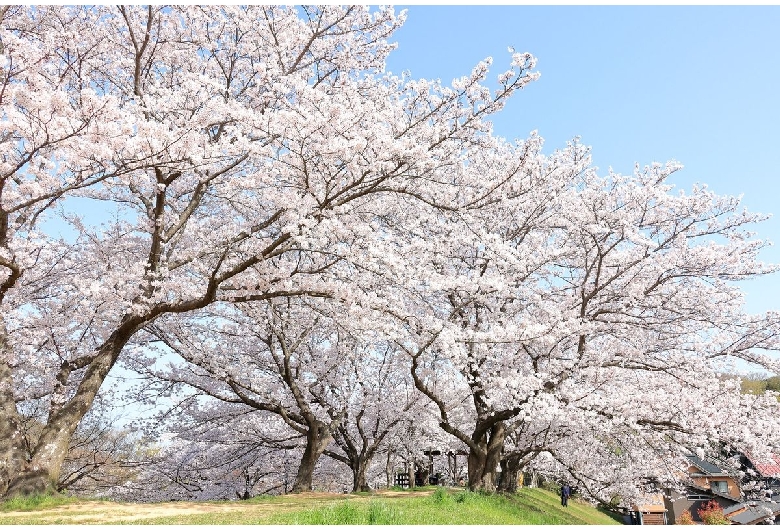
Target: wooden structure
[[650, 511], [401, 480]]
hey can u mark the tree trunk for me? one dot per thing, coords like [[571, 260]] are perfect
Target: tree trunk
[[510, 469], [317, 441], [388, 473], [482, 463], [12, 454], [43, 470], [477, 463], [422, 471], [359, 469]]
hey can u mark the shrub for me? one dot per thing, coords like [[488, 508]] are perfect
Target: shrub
[[712, 513], [773, 383], [462, 496], [439, 496]]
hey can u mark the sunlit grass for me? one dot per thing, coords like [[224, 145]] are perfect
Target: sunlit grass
[[35, 502], [449, 507], [438, 506]]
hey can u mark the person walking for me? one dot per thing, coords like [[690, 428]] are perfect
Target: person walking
[[565, 494]]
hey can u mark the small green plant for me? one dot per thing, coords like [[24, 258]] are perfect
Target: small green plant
[[439, 496], [34, 502], [381, 513], [260, 499], [346, 512], [341, 513]]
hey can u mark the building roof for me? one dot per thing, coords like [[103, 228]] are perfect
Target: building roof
[[652, 502], [767, 467], [751, 512], [708, 467]]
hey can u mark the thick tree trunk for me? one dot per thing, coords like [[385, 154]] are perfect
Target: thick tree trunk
[[421, 470], [482, 463], [317, 441], [43, 470], [510, 469], [12, 453], [359, 482]]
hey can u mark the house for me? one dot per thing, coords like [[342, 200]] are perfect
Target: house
[[707, 482], [650, 510], [765, 471], [753, 512]]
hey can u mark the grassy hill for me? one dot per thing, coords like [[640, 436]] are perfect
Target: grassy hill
[[452, 507], [420, 506]]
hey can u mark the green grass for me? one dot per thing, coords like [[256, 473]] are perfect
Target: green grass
[[35, 502], [439, 506], [529, 506], [535, 500]]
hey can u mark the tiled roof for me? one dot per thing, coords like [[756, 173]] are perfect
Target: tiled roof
[[769, 467], [751, 513], [705, 466]]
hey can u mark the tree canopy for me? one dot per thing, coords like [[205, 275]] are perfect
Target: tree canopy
[[311, 256]]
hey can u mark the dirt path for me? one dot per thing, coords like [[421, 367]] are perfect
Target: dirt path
[[112, 512], [109, 512]]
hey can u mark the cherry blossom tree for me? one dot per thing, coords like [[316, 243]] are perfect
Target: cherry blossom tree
[[587, 300], [468, 282], [274, 358], [103, 454], [237, 146], [55, 132], [384, 402], [212, 452], [300, 360], [287, 217]]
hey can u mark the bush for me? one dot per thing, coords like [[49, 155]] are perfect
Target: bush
[[712, 513], [462, 496], [773, 383], [439, 496]]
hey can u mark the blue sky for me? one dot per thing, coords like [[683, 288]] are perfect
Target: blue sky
[[700, 85]]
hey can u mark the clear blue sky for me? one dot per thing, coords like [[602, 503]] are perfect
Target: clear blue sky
[[700, 85]]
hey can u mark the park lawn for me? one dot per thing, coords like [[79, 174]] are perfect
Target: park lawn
[[453, 507], [420, 506], [578, 512]]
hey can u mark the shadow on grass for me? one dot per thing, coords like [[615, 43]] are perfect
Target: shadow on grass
[[612, 515]]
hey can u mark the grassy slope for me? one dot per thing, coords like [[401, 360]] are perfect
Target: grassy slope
[[529, 506]]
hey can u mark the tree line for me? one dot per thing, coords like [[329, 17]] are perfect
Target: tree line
[[305, 253]]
